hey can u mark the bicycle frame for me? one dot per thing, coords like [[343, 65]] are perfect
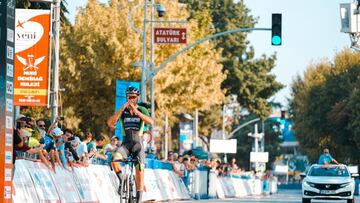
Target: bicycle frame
[[128, 189]]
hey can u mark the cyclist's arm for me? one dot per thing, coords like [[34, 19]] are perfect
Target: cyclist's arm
[[113, 119], [146, 118]]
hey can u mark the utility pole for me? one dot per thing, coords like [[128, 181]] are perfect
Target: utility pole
[[223, 129], [55, 84], [263, 137], [166, 138], [144, 65], [196, 128], [256, 135]]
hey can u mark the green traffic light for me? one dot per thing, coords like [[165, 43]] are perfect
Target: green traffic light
[[276, 40]]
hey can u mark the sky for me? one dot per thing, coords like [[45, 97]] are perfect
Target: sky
[[310, 33]]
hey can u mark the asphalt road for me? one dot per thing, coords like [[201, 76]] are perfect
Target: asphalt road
[[291, 196]]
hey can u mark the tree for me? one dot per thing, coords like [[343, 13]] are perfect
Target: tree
[[98, 51], [38, 5], [325, 110], [248, 78]]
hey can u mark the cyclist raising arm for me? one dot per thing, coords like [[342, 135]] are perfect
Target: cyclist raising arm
[[133, 118]]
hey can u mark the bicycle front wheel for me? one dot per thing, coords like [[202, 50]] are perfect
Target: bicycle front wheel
[[132, 189], [123, 189]]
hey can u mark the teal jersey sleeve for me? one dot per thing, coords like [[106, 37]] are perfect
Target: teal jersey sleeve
[[144, 111]]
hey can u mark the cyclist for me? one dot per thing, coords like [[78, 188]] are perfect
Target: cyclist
[[133, 118], [326, 158]]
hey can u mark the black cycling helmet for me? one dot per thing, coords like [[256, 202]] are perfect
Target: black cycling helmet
[[132, 90]]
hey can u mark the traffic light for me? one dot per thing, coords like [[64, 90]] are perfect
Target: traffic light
[[276, 29]]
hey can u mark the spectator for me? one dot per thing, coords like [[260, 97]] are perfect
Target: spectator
[[178, 167], [49, 145], [152, 153], [70, 156], [234, 167], [41, 127], [94, 148], [82, 149], [109, 148], [63, 145], [20, 139], [326, 157], [170, 157]]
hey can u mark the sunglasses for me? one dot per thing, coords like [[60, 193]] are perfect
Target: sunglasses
[[41, 125], [132, 97]]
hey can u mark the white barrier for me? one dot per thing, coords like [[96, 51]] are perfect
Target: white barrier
[[229, 187], [43, 181], [33, 182], [83, 185], [24, 187], [65, 185]]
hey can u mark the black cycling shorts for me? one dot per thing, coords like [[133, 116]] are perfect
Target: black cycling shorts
[[132, 144]]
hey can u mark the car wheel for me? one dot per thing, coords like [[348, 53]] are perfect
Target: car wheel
[[351, 200], [306, 200]]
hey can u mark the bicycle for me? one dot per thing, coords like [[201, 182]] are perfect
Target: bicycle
[[127, 185]]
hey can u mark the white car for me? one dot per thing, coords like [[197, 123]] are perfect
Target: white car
[[328, 182]]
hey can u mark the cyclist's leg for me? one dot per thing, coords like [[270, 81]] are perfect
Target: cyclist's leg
[[120, 153], [138, 151]]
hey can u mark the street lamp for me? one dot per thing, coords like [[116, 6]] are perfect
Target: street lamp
[[147, 73], [56, 31], [161, 12]]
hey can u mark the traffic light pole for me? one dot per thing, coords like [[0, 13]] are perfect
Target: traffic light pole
[[153, 71], [220, 34]]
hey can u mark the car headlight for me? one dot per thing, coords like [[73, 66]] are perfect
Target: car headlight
[[310, 184], [344, 184]]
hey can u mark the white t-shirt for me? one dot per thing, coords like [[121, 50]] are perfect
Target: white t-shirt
[[82, 149], [108, 146], [179, 166]]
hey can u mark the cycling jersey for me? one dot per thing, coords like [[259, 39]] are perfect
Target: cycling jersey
[[133, 127], [131, 123]]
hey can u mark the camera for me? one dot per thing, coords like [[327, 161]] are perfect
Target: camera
[[71, 138], [160, 10]]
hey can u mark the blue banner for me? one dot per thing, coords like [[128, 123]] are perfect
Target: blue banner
[[120, 99]]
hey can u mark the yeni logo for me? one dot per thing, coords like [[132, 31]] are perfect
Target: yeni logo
[[28, 33]]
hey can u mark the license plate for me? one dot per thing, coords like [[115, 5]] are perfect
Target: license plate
[[327, 192]]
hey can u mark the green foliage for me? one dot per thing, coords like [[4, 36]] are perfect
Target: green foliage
[[250, 79], [325, 107], [97, 51]]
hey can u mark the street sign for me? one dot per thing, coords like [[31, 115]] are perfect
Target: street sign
[[262, 157], [170, 35], [223, 146]]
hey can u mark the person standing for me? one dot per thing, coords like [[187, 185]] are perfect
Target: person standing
[[326, 157]]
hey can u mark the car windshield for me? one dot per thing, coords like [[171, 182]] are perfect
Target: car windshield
[[340, 171]]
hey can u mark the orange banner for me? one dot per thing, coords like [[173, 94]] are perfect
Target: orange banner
[[31, 60]]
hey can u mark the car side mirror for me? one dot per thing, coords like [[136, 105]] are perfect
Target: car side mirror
[[303, 175], [353, 175]]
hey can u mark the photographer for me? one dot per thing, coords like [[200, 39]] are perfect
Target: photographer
[[64, 145]]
